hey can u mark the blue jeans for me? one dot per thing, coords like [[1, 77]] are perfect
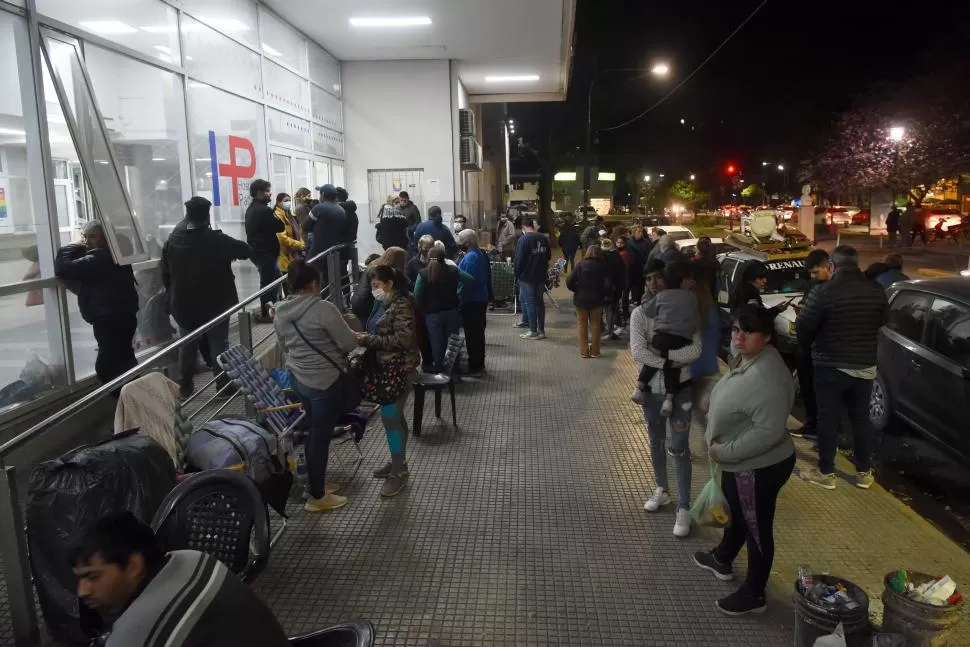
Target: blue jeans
[[533, 307], [322, 409], [440, 326], [269, 271], [679, 441]]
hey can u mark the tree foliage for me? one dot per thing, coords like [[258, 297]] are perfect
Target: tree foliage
[[753, 192], [688, 193], [934, 110]]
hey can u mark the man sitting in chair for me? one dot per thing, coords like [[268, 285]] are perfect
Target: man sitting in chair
[[146, 598]]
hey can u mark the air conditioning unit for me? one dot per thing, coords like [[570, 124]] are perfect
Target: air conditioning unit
[[470, 154], [466, 122]]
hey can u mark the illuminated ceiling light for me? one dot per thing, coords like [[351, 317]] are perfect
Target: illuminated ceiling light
[[512, 78], [158, 159], [13, 132], [390, 21], [269, 50], [108, 27], [565, 176], [606, 177]]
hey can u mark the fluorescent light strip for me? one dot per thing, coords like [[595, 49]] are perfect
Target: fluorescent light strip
[[389, 21], [514, 78]]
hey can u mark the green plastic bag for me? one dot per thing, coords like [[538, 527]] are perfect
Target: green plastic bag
[[711, 507]]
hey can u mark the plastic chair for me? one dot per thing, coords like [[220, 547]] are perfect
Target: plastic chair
[[438, 382], [217, 512], [359, 633]]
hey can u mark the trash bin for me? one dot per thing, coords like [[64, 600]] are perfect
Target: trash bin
[[923, 624], [813, 620]]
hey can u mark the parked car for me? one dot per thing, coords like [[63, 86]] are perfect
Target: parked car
[[923, 374], [688, 246], [841, 216], [585, 211], [676, 232], [950, 218]]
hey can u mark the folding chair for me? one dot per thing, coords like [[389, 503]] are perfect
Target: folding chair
[[270, 400], [553, 280]]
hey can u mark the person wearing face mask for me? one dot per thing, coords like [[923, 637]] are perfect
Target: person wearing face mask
[[291, 243], [329, 220], [262, 227], [391, 333], [505, 237], [475, 299]]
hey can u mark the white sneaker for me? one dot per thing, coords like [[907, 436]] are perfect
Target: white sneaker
[[682, 524], [619, 330], [657, 500], [638, 396]]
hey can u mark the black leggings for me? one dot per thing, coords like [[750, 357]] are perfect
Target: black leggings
[[664, 342], [768, 482]]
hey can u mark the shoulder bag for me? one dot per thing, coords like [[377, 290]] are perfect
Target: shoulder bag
[[350, 379]]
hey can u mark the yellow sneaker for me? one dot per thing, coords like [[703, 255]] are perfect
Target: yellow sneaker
[[326, 504]]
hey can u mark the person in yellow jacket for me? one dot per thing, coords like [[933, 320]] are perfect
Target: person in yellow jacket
[[291, 240]]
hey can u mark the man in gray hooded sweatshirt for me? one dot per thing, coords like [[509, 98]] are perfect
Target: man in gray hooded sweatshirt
[[435, 228]]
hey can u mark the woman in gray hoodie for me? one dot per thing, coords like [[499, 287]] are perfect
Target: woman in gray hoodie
[[316, 341], [747, 438]]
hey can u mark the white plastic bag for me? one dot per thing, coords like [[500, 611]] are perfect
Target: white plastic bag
[[836, 639]]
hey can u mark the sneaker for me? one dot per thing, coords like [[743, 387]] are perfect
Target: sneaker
[[529, 335], [594, 355], [667, 409], [477, 375], [619, 330], [638, 396], [708, 562], [657, 500], [393, 484], [682, 524], [804, 432], [741, 603], [329, 488], [326, 504], [520, 324], [384, 472], [815, 477], [540, 335], [864, 480]]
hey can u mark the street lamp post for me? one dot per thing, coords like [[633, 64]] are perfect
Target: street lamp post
[[658, 69]]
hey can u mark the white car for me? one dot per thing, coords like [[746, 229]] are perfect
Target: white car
[[688, 246], [676, 232]]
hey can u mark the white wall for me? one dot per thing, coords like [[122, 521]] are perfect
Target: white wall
[[397, 116]]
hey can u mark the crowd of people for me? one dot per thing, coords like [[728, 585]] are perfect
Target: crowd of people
[[675, 339]]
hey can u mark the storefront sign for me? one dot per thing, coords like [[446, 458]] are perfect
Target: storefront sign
[[233, 169]]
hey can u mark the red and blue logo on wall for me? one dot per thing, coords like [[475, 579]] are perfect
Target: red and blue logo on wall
[[232, 170]]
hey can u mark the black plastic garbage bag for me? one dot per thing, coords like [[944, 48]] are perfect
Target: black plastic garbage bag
[[65, 495]]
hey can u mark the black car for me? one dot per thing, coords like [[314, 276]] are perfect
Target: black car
[[924, 361]]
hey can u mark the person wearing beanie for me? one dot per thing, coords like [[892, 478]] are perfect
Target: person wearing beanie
[[197, 274], [434, 227]]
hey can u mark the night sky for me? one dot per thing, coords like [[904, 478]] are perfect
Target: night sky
[[771, 94]]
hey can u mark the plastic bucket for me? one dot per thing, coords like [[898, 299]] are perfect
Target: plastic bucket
[[814, 620], [923, 624]]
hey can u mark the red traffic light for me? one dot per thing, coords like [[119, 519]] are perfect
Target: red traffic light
[[731, 169]]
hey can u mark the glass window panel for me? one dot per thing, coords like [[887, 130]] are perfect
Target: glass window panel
[[324, 69], [281, 42], [907, 314], [327, 142], [321, 173], [91, 142], [31, 363], [281, 174], [337, 171], [147, 26], [216, 59], [326, 109], [287, 130], [146, 112], [234, 18], [948, 331], [286, 90], [235, 130], [301, 174]]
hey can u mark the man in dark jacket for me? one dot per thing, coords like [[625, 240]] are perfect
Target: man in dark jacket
[[262, 225], [392, 227], [435, 228], [569, 243], [411, 213], [106, 296], [329, 225], [841, 320], [197, 273], [532, 256], [348, 236], [887, 272], [135, 595], [817, 264]]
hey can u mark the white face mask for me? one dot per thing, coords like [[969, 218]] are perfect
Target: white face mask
[[379, 294], [287, 205]]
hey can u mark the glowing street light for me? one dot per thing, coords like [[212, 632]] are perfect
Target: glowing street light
[[662, 175], [764, 163], [692, 177], [683, 121], [781, 167], [660, 69], [896, 133], [646, 178]]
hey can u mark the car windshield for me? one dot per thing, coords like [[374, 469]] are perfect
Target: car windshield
[[679, 235], [786, 277]]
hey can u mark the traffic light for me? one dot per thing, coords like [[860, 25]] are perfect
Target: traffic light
[[730, 169]]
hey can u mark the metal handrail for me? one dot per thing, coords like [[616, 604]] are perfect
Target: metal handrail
[[150, 362]]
